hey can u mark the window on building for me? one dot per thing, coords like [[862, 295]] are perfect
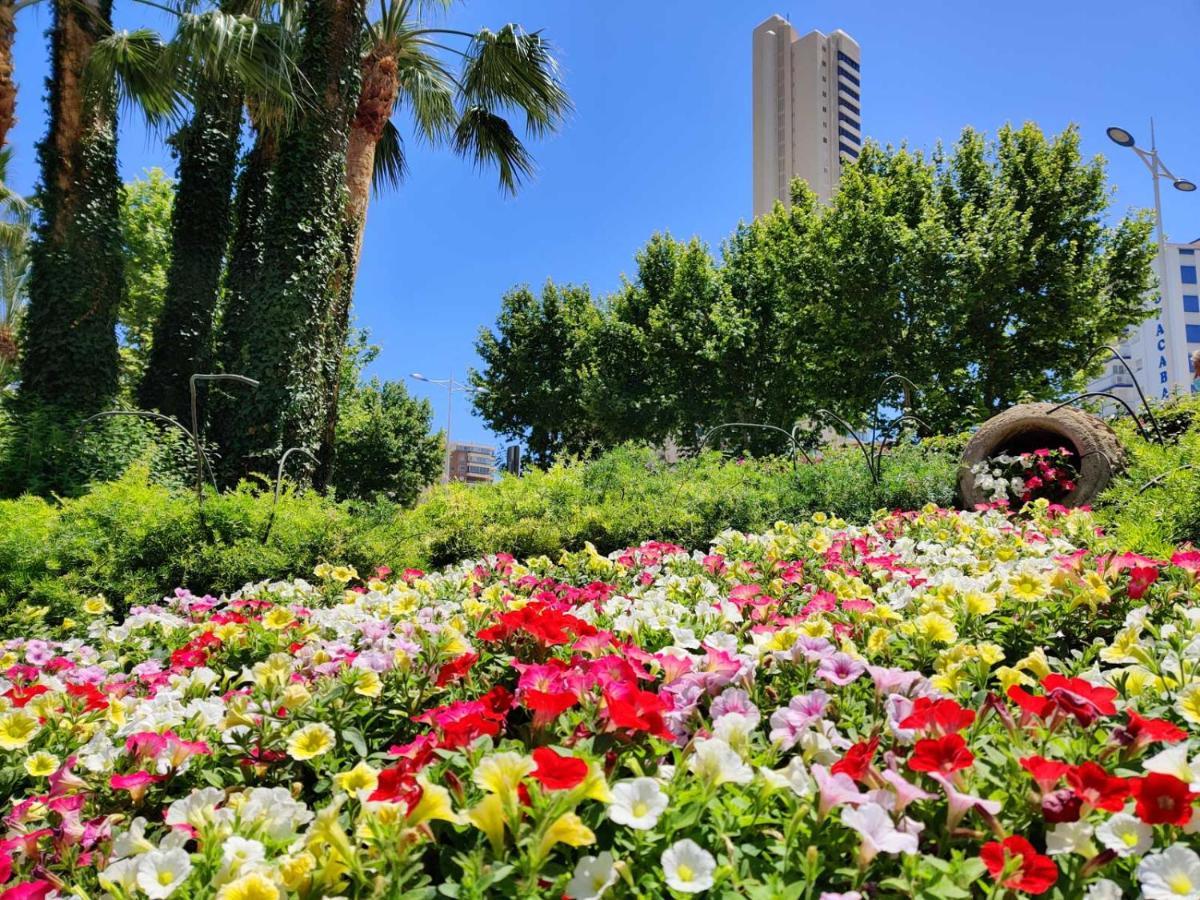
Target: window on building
[[848, 135], [1187, 251], [1191, 303], [846, 104], [850, 78], [849, 120], [1187, 274], [848, 151], [1193, 334], [845, 90], [842, 57]]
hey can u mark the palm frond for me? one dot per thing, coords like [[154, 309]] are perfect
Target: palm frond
[[427, 88], [391, 164], [131, 70], [217, 44], [515, 69], [487, 139]]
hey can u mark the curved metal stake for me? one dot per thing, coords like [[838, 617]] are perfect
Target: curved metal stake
[[1128, 408], [867, 455], [202, 459], [1159, 479], [279, 483], [791, 437], [240, 379], [907, 417], [1137, 386]]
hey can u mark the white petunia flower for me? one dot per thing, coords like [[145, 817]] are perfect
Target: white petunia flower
[[121, 875], [716, 762], [160, 872], [1070, 837], [1103, 889], [240, 855], [877, 830], [1126, 835], [593, 876], [688, 867], [1170, 875], [196, 809], [637, 803]]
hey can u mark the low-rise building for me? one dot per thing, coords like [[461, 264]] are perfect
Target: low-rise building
[[472, 463]]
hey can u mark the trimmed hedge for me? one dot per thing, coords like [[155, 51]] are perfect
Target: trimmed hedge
[[133, 541]]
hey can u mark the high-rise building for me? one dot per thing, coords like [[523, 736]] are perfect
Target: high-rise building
[[1163, 350], [472, 463], [807, 110]]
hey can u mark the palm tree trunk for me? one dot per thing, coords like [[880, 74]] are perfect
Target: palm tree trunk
[[200, 228], [70, 357], [287, 347], [8, 87], [376, 99]]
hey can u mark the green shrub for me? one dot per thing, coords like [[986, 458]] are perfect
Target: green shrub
[[1155, 504], [133, 539]]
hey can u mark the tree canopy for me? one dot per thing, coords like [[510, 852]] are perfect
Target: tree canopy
[[986, 273]]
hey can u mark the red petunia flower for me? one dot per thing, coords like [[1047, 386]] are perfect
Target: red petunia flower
[[1042, 707], [1081, 699], [1141, 731], [857, 760], [939, 716], [1045, 772], [558, 772], [546, 706], [1097, 788], [945, 755], [1036, 874], [1163, 799], [636, 710], [456, 669], [1140, 579]]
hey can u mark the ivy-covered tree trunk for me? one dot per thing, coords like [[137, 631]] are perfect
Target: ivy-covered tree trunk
[[376, 99], [286, 344], [8, 87], [252, 203], [200, 228], [69, 357]]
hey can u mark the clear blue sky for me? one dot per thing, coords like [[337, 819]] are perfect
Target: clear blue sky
[[660, 137]]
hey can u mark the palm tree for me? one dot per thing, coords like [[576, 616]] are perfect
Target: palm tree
[[15, 225], [404, 65], [202, 220]]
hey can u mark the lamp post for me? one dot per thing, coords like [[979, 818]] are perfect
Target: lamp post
[[451, 387], [1159, 171]]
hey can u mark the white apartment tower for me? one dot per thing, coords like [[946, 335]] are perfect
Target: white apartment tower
[[807, 110], [1163, 351]]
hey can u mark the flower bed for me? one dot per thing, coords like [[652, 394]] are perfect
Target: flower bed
[[939, 704]]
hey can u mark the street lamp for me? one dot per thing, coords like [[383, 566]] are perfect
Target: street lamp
[[1158, 171], [451, 387]]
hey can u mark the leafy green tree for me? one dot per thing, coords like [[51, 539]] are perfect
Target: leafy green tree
[[146, 205], [986, 275], [383, 444], [536, 362]]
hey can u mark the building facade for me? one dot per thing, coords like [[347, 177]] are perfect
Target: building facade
[[1164, 350], [472, 463], [807, 110]]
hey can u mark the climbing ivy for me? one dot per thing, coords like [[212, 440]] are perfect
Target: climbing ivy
[[200, 226], [70, 346], [69, 363], [284, 347]]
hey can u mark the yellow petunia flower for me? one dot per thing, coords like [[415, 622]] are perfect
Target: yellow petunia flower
[[254, 886], [278, 618], [17, 728], [361, 778], [1187, 703], [936, 628], [566, 829], [311, 741], [95, 606], [500, 773], [488, 816], [434, 804], [41, 764]]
